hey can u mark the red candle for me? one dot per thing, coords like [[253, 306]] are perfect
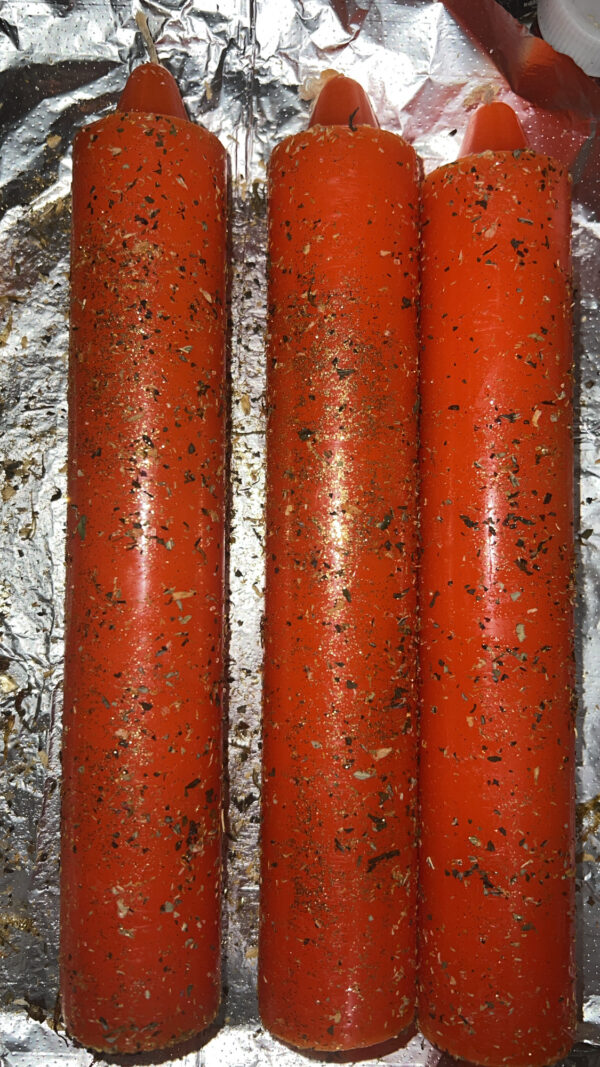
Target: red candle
[[497, 757], [337, 936], [141, 845]]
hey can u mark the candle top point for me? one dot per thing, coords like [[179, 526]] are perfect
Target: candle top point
[[343, 102], [494, 127], [151, 88]]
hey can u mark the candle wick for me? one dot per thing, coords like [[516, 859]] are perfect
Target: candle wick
[[144, 29]]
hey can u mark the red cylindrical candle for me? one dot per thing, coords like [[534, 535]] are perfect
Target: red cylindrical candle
[[337, 938], [141, 847], [497, 757]]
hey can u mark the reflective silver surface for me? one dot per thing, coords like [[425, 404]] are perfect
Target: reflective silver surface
[[240, 64]]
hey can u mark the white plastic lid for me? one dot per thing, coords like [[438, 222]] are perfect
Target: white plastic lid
[[573, 27]]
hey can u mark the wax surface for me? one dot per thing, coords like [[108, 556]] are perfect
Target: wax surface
[[493, 127], [151, 88], [497, 755], [337, 937], [343, 102], [141, 849]]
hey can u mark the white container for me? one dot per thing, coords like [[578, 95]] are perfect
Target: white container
[[573, 27]]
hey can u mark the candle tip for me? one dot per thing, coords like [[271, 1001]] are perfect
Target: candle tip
[[343, 102], [151, 88], [494, 127]]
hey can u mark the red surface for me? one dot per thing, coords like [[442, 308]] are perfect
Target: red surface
[[497, 756], [566, 100], [152, 89], [337, 938], [532, 68], [141, 847], [493, 127], [343, 102]]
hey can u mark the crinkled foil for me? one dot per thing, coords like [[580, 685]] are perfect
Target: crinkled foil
[[240, 64]]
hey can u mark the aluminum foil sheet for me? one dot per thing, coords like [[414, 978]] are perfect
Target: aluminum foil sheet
[[243, 67]]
